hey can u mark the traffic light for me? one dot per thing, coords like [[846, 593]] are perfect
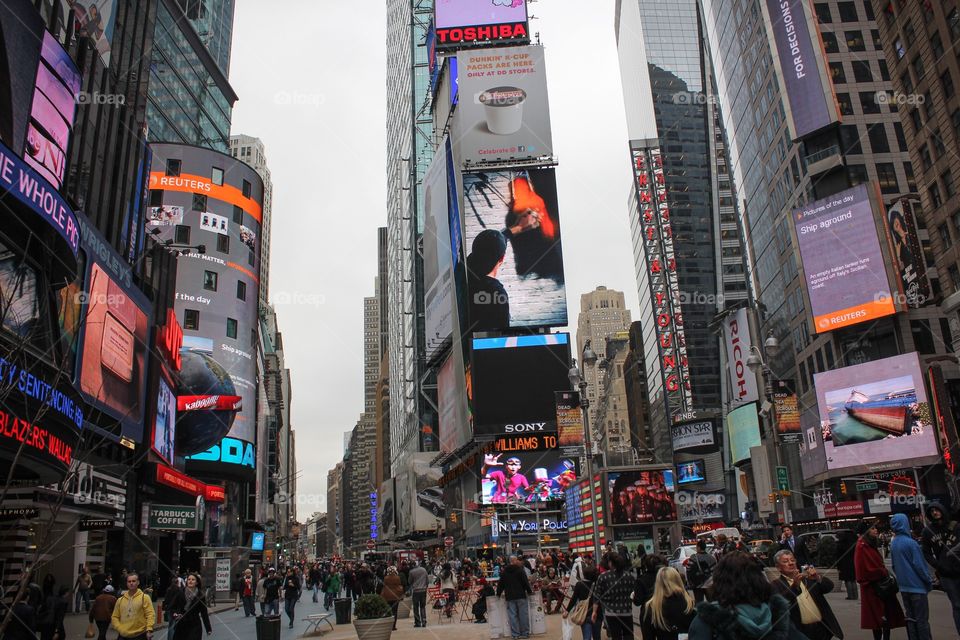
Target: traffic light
[[453, 516], [843, 487], [772, 497]]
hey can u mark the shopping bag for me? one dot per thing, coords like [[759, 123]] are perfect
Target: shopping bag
[[91, 631], [567, 629]]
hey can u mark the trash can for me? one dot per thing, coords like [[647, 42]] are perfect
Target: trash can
[[342, 608], [268, 627]]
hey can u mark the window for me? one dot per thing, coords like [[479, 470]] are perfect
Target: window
[[916, 121], [936, 200], [861, 71], [830, 42], [927, 106], [191, 319], [909, 35], [878, 138], [936, 45], [854, 41], [917, 66], [901, 139], [884, 71], [223, 243], [251, 258], [868, 9], [846, 107], [181, 234], [946, 179], [216, 176], [156, 198], [887, 177], [828, 354], [907, 82], [237, 215], [953, 22], [868, 102], [956, 222], [199, 202], [937, 141], [925, 157], [247, 188], [947, 334], [911, 179], [946, 81], [954, 274], [847, 11], [241, 290], [210, 280], [898, 47], [231, 328], [850, 139], [173, 168], [955, 121], [836, 73], [857, 174], [823, 12], [877, 42], [922, 336]]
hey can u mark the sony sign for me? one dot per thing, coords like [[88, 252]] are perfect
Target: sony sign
[[736, 335], [528, 427]]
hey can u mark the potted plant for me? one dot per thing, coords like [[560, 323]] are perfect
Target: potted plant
[[372, 618]]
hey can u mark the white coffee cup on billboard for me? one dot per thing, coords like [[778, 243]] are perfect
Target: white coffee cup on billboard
[[504, 109]]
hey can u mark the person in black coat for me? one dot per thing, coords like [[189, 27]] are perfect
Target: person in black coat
[[791, 583], [846, 543], [646, 577], [795, 546], [188, 624]]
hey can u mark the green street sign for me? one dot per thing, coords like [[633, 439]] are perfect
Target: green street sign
[[866, 486], [173, 517], [783, 481]]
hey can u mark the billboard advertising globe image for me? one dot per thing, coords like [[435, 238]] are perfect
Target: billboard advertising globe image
[[202, 375], [876, 413], [515, 261]]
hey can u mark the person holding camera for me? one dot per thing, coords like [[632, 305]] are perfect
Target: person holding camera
[[805, 590]]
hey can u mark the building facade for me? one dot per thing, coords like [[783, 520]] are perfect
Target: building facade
[[251, 150], [603, 313]]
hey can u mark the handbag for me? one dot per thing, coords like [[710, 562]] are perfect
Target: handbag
[[579, 614], [886, 588], [91, 631]]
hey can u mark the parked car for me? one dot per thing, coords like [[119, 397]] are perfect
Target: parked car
[[763, 550]]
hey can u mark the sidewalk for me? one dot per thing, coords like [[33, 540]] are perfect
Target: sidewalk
[[75, 624]]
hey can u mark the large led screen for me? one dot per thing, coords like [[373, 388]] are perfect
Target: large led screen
[[641, 497], [165, 422], [515, 260], [514, 380], [95, 20], [115, 338], [691, 472], [876, 413], [907, 252], [845, 272], [452, 412], [437, 259], [464, 23], [504, 111], [526, 469], [743, 430]]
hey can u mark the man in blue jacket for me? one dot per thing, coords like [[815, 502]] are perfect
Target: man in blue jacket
[[913, 578]]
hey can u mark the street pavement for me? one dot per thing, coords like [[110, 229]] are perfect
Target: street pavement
[[231, 625]]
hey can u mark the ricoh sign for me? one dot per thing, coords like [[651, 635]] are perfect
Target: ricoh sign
[[736, 335]]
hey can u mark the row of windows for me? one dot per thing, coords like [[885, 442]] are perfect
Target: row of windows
[[861, 72], [854, 40], [846, 12], [174, 166], [851, 141], [191, 321], [886, 176], [211, 281], [181, 235]]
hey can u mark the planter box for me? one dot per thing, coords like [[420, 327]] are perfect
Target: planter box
[[376, 629]]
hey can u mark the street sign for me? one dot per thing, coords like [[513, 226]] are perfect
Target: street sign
[[783, 481], [371, 545], [448, 541], [866, 486]]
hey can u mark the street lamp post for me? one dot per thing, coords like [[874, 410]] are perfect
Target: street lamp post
[[577, 382]]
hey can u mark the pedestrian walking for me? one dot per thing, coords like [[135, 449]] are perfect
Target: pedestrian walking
[[670, 609], [913, 578], [247, 588], [133, 615], [82, 588], [102, 611], [805, 591], [418, 594], [699, 570], [742, 605], [195, 617], [448, 587], [614, 589], [291, 593], [331, 589], [392, 592], [846, 544], [941, 548], [515, 587], [880, 612], [271, 593], [584, 591]]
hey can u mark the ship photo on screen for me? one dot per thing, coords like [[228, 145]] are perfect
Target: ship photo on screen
[[864, 413]]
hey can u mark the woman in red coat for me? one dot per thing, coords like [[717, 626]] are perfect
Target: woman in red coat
[[876, 613]]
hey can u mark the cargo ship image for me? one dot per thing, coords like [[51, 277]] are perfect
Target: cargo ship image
[[891, 413]]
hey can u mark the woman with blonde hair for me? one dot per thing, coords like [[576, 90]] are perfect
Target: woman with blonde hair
[[669, 610]]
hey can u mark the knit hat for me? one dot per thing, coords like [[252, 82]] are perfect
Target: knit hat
[[865, 525]]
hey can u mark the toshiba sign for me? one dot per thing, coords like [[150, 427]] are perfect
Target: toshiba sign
[[468, 23], [736, 335]]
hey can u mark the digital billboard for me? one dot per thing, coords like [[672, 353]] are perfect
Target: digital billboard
[[569, 422], [500, 405], [466, 23], [515, 262], [503, 111], [787, 407], [164, 422], [164, 216], [845, 273], [95, 20], [907, 252], [694, 436], [454, 424], [114, 341], [526, 469], [641, 497], [437, 260], [691, 471], [876, 414], [256, 541], [743, 431], [795, 42]]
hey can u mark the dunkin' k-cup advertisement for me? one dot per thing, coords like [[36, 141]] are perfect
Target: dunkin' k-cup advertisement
[[504, 112]]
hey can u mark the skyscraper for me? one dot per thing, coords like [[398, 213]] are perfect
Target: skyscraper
[[603, 313], [213, 22], [251, 150]]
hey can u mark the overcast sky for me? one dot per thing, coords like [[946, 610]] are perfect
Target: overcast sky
[[311, 77]]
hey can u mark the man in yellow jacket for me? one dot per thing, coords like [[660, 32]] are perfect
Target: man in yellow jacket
[[133, 615]]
